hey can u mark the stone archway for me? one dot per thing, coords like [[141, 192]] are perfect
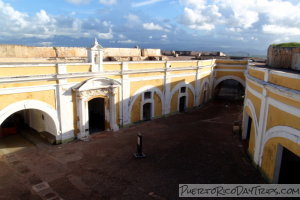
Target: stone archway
[[95, 88]]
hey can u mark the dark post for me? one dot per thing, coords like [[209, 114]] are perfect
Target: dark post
[[139, 147]]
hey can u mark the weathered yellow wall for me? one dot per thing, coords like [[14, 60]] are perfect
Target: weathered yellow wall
[[177, 80], [78, 68], [135, 112], [134, 86], [112, 67], [184, 64], [174, 102], [256, 103], [77, 80], [47, 96], [270, 153], [184, 72], [255, 87], [146, 74], [158, 106], [24, 84], [220, 74], [237, 62], [138, 66], [257, 74], [284, 100], [277, 117], [291, 83], [27, 71]]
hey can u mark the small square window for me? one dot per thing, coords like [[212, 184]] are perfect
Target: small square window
[[147, 95], [182, 89]]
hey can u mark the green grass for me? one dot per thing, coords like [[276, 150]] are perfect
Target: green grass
[[290, 44]]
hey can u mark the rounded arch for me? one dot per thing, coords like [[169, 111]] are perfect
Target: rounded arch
[[179, 85], [204, 87], [236, 78], [286, 132], [30, 104], [204, 83], [140, 91], [248, 103]]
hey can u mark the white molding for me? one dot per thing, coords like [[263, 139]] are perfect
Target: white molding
[[140, 91], [284, 107], [248, 103], [177, 88], [286, 132], [16, 90], [204, 87], [229, 70], [236, 78]]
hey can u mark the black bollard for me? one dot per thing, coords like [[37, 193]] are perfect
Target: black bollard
[[139, 147]]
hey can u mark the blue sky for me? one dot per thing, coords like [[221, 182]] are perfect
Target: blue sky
[[226, 25]]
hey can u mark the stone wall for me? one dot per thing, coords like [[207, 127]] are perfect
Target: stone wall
[[284, 57], [19, 53], [29, 54]]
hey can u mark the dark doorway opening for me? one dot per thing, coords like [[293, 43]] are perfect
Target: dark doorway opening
[[230, 90], [289, 169], [182, 104], [147, 111], [27, 126], [248, 133], [204, 96], [96, 115]]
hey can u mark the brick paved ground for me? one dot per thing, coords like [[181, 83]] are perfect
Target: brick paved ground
[[194, 147]]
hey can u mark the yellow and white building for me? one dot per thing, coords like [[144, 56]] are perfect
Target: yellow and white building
[[67, 99], [272, 120]]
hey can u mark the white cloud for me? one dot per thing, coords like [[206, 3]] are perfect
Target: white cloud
[[152, 26], [126, 41], [16, 24], [106, 36], [145, 3], [108, 2], [281, 30], [78, 1], [238, 16]]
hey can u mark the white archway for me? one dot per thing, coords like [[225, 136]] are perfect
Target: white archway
[[248, 103], [287, 132], [204, 87], [147, 88], [31, 104], [178, 86], [236, 78]]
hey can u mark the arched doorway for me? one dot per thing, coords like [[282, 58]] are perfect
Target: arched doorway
[[33, 125], [229, 89], [96, 115], [182, 104], [147, 111]]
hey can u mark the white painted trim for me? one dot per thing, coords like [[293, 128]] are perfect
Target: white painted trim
[[204, 87], [236, 78], [140, 91], [177, 88], [284, 107], [31, 104], [281, 132], [229, 70], [17, 90], [248, 103]]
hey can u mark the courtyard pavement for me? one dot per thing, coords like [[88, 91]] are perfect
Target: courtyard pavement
[[195, 147]]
